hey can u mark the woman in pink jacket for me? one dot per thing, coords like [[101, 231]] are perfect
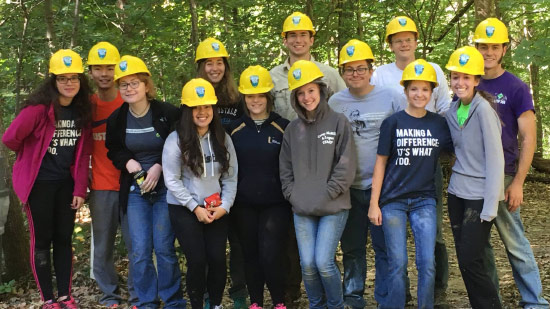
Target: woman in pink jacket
[[52, 139]]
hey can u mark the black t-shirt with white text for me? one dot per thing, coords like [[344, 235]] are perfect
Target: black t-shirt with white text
[[413, 146]]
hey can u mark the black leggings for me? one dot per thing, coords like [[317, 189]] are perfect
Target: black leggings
[[263, 231], [471, 242], [51, 221], [204, 249]]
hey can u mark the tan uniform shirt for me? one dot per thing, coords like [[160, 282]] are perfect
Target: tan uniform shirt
[[281, 93]]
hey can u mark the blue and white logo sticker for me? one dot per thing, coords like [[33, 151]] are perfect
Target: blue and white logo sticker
[[463, 59], [123, 65], [350, 50], [418, 69], [297, 74], [490, 30], [402, 21], [67, 61], [200, 91], [254, 80], [296, 19], [102, 52], [216, 46]]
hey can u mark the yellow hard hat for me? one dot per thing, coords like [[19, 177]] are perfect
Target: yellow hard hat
[[103, 53], [301, 73], [255, 79], [491, 30], [210, 48], [129, 65], [466, 60], [400, 24], [355, 50], [297, 21], [419, 70], [65, 61], [198, 92]]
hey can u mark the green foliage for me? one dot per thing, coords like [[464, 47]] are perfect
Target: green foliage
[[7, 287]]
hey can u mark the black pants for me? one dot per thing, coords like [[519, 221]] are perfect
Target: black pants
[[51, 221], [264, 230], [204, 249], [471, 242]]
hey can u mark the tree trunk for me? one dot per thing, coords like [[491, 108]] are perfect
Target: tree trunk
[[194, 24], [340, 29], [309, 9], [50, 32], [485, 9], [357, 9], [76, 19], [20, 55]]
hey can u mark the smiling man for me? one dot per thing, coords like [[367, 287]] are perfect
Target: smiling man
[[516, 111]]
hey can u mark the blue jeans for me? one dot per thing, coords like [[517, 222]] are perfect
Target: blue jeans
[[353, 242], [150, 228], [524, 267], [422, 216], [318, 238]]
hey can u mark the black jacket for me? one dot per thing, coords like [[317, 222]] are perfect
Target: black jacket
[[257, 149], [164, 118]]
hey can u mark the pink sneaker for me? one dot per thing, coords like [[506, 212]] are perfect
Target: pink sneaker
[[68, 302], [280, 306], [50, 304], [254, 306]]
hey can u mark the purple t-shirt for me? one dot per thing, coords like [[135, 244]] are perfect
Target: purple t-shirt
[[513, 98]]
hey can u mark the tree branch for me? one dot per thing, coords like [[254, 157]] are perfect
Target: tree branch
[[453, 21]]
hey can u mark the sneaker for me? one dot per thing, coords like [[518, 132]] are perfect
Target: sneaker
[[50, 304], [239, 303], [68, 302], [254, 306], [218, 307], [113, 306], [280, 306]]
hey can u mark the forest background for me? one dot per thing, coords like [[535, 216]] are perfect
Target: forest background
[[165, 34]]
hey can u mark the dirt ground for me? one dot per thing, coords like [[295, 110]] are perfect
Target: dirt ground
[[536, 219]]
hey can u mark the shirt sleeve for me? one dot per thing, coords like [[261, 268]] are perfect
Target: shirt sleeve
[[384, 141], [442, 96], [285, 165], [522, 101], [21, 127], [343, 172], [228, 179]]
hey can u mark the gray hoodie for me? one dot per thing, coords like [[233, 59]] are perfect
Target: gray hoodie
[[184, 188], [478, 172], [317, 162]]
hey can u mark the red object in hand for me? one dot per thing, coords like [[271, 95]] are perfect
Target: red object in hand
[[213, 200]]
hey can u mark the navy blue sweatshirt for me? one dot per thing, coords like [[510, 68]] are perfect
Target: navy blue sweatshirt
[[257, 148]]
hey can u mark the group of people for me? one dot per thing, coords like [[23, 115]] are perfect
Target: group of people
[[286, 166]]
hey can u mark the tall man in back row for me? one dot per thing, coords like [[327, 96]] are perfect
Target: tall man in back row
[[402, 37], [516, 111], [298, 37]]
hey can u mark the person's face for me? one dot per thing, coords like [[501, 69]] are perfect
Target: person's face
[[463, 85], [256, 104], [132, 89], [298, 42], [68, 85], [418, 93], [309, 96], [492, 54], [202, 116], [403, 44], [356, 74], [103, 75], [214, 69]]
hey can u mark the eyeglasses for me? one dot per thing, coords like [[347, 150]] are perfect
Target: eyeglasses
[[133, 84], [400, 42], [63, 79], [360, 71]]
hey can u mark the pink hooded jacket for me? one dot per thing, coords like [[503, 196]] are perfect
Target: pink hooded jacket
[[29, 135]]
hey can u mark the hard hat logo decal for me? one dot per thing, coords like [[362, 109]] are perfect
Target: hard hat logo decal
[[200, 91], [102, 52], [402, 21], [296, 19], [463, 59], [216, 46], [67, 60], [123, 65], [350, 50], [297, 74], [418, 69], [254, 80], [490, 30]]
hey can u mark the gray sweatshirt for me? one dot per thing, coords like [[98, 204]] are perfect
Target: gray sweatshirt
[[478, 172], [317, 162], [184, 188]]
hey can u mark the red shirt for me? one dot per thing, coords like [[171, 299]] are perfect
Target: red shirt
[[104, 175]]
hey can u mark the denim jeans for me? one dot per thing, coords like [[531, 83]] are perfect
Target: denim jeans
[[318, 238], [353, 242], [150, 229], [524, 267], [422, 216]]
